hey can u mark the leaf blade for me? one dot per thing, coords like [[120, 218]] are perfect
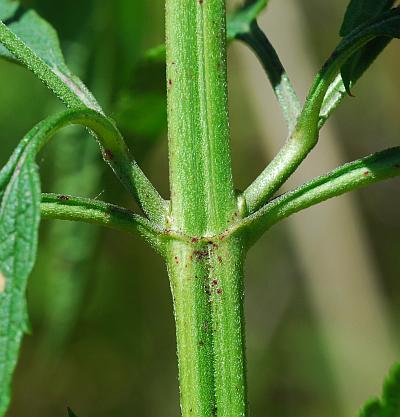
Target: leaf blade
[[360, 11], [357, 14], [19, 224], [34, 43]]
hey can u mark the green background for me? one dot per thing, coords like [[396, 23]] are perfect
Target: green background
[[103, 338]]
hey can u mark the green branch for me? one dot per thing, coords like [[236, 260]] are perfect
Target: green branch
[[305, 136], [50, 68], [115, 154], [258, 42], [354, 175], [63, 207]]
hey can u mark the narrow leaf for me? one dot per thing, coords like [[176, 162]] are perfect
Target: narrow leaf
[[358, 13], [19, 222], [32, 41]]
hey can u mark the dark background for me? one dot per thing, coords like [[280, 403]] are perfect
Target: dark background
[[323, 289]]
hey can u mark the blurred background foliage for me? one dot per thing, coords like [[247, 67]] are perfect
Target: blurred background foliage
[[103, 338]]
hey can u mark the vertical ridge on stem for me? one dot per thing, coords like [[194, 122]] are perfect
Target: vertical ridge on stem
[[202, 193], [205, 274]]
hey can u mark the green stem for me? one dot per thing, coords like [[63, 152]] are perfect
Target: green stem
[[207, 288], [65, 207], [202, 194], [206, 278], [354, 175]]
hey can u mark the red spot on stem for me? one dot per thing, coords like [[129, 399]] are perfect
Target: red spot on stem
[[108, 155], [63, 197], [200, 254]]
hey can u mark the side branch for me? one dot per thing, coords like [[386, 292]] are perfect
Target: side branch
[[357, 174], [65, 207], [305, 135], [258, 42], [76, 96], [115, 153]]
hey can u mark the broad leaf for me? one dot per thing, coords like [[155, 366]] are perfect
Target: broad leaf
[[389, 405], [44, 56], [19, 222], [358, 13]]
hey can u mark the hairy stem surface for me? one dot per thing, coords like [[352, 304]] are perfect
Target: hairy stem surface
[[206, 277], [349, 177]]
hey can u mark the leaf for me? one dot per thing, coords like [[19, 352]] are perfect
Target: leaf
[[389, 405], [19, 223], [34, 43], [385, 26], [358, 13]]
